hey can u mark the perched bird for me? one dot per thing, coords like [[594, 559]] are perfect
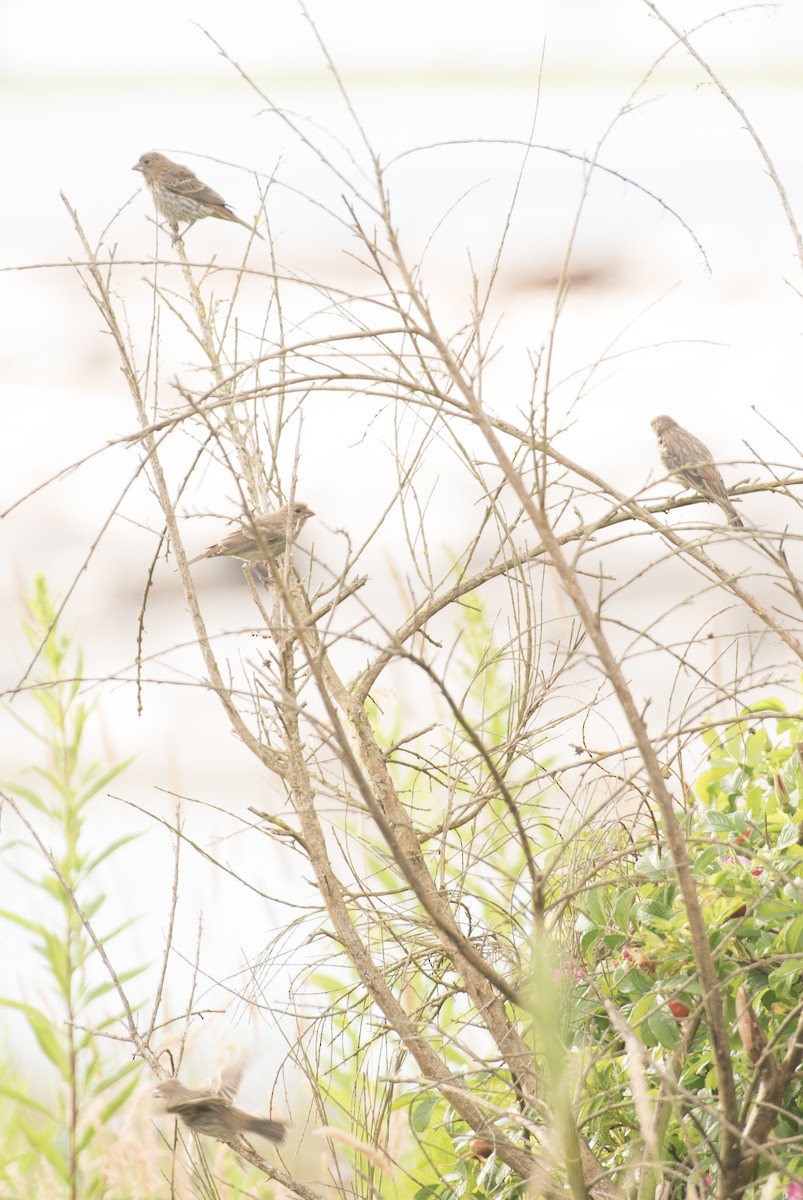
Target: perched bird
[[263, 537], [209, 1110], [180, 195], [685, 456]]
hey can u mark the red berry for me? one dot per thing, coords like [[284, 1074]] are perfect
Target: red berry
[[479, 1148], [678, 1009]]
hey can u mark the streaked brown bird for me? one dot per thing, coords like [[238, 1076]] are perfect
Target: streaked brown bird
[[179, 195], [685, 455], [263, 537], [209, 1110]]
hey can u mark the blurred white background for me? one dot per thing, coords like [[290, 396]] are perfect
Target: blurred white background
[[87, 87]]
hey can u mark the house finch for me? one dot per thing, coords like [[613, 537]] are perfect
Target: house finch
[[263, 537], [180, 195], [685, 456], [209, 1110]]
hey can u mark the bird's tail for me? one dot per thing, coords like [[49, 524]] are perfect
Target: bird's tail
[[274, 1131], [732, 514], [230, 216]]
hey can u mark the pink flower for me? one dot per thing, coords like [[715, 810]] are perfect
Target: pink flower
[[794, 1190]]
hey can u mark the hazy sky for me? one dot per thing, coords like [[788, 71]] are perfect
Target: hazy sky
[[89, 37], [87, 87]]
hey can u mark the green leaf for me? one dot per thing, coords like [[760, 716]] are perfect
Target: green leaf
[[110, 1081], [640, 1015], [772, 910], [43, 1141], [762, 706], [92, 863], [664, 1027], [42, 1029], [655, 910], [635, 983], [26, 1101], [711, 739], [722, 822], [119, 1099], [623, 908], [595, 906], [99, 784], [32, 798], [793, 936], [788, 836], [756, 747], [50, 1044], [652, 864], [422, 1110], [23, 922]]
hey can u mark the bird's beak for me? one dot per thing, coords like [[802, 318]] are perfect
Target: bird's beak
[[136, 167]]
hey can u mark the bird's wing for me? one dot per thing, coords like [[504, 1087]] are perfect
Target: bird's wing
[[708, 480], [230, 1080], [189, 184], [194, 1104], [236, 543]]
